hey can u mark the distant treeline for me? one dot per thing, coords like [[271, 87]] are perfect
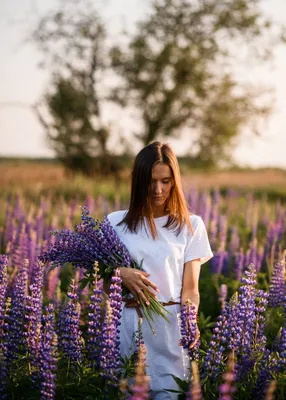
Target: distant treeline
[[125, 161]]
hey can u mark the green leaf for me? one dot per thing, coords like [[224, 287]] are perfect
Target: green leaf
[[83, 283], [183, 384]]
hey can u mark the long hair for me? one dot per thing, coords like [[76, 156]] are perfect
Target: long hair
[[140, 203]]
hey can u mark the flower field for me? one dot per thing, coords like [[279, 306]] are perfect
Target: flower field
[[60, 341]]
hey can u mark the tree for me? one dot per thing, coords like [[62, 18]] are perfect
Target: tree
[[72, 41], [175, 72]]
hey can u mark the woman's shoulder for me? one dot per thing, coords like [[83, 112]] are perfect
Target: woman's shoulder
[[196, 221], [116, 216]]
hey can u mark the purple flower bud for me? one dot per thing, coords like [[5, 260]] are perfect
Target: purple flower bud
[[189, 330], [277, 289], [47, 355], [69, 334]]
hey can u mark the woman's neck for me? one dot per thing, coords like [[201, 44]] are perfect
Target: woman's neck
[[159, 212]]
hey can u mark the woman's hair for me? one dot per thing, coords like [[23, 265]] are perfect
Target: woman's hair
[[140, 203]]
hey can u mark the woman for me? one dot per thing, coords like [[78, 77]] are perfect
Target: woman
[[158, 229]]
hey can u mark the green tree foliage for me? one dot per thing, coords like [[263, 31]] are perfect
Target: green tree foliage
[[176, 72], [72, 41]]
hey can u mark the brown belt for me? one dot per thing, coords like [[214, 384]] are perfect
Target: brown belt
[[131, 303]]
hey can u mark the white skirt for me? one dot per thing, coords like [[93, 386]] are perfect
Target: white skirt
[[164, 355]]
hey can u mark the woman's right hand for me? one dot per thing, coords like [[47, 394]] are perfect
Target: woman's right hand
[[136, 281]]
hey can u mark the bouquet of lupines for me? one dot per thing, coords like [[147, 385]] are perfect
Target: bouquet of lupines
[[93, 241]]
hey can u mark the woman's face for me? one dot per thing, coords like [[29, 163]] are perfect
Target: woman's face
[[161, 185]]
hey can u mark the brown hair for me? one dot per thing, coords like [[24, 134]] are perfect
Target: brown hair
[[140, 205]]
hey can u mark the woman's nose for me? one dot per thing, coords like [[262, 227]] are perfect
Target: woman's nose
[[157, 188]]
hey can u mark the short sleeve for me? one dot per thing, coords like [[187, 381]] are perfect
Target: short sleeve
[[198, 245]]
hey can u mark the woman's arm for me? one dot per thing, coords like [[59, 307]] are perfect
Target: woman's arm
[[190, 287]]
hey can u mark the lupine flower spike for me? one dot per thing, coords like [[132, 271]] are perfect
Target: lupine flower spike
[[277, 289], [47, 355], [227, 388], [109, 353], [69, 334], [95, 321], [140, 388], [195, 391], [3, 290], [189, 330]]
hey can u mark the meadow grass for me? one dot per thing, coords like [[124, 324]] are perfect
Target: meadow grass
[[35, 179]]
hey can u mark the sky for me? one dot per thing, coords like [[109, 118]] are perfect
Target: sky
[[22, 83]]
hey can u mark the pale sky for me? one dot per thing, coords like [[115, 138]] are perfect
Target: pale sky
[[23, 83]]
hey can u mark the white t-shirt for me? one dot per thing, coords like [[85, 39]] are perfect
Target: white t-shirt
[[164, 257]]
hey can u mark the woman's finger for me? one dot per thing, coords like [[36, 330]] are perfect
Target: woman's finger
[[147, 282], [141, 293]]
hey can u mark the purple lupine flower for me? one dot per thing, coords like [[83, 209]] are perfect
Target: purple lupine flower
[[238, 264], [222, 229], [3, 354], [3, 290], [115, 297], [245, 322], [222, 295], [267, 365], [229, 329], [218, 261], [216, 196], [234, 241], [140, 388], [95, 322], [282, 345], [69, 334], [277, 289], [14, 335], [259, 338], [213, 226], [108, 358], [47, 355], [110, 346], [227, 388], [282, 350], [33, 314], [90, 241], [32, 252], [214, 356], [139, 340], [21, 249], [189, 330], [195, 390], [246, 311]]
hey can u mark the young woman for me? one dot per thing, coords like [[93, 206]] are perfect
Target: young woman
[[158, 229]]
